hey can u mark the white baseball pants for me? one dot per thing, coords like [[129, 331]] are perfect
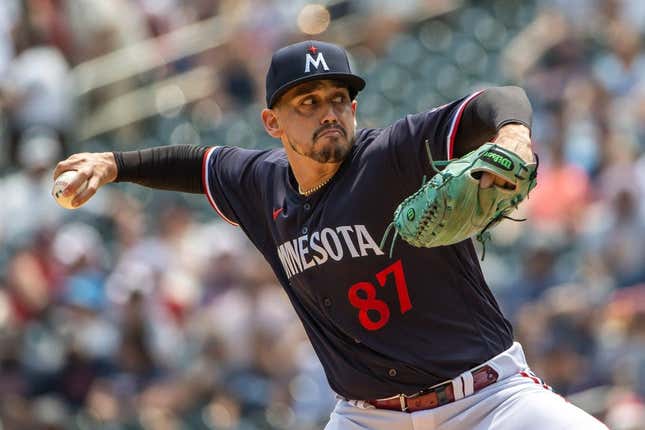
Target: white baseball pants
[[517, 401]]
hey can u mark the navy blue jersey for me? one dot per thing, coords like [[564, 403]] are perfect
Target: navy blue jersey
[[380, 326]]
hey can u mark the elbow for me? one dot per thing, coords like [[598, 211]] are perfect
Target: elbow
[[510, 93], [509, 104]]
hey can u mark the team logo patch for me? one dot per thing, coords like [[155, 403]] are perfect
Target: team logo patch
[[316, 62], [410, 214], [498, 159]]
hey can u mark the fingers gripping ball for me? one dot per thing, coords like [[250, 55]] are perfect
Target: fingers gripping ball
[[60, 183], [452, 207]]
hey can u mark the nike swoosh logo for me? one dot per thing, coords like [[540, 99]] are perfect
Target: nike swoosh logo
[[276, 212]]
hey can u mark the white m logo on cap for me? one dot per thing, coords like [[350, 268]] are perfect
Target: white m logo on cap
[[319, 59]]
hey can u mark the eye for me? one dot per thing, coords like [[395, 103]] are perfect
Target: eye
[[339, 99], [308, 101]]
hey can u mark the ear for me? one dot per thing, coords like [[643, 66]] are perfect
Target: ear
[[271, 123], [354, 105]]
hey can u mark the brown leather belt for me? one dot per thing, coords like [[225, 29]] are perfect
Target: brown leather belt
[[437, 395]]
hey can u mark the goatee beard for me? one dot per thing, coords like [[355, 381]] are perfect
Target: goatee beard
[[331, 154], [335, 153]]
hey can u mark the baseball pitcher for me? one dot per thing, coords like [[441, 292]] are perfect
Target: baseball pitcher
[[369, 232]]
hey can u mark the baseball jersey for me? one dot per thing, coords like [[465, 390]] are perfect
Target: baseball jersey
[[379, 325]]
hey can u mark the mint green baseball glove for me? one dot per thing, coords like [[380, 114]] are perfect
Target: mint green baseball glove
[[451, 207]]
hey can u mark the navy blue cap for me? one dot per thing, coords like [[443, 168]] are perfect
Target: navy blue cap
[[308, 61]]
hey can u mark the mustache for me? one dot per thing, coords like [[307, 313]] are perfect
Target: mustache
[[326, 127]]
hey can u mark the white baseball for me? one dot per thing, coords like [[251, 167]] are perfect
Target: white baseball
[[60, 183]]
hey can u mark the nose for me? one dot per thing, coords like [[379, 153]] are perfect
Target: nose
[[329, 114]]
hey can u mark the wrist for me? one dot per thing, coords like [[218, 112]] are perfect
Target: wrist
[[111, 166], [515, 129], [517, 138]]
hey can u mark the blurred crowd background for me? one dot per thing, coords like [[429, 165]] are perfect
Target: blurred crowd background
[[143, 310]]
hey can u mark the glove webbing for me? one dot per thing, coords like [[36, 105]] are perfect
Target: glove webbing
[[484, 236]]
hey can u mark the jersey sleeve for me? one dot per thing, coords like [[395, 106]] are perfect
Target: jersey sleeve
[[436, 128], [229, 177]]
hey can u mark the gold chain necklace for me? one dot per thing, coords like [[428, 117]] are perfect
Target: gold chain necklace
[[310, 191]]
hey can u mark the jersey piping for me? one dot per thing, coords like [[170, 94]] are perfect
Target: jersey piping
[[205, 183], [454, 126]]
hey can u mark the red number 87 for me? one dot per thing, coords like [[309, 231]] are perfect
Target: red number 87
[[371, 303]]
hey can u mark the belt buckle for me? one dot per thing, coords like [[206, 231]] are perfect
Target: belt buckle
[[404, 403], [435, 388], [403, 398]]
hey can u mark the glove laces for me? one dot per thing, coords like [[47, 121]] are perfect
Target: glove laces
[[434, 165]]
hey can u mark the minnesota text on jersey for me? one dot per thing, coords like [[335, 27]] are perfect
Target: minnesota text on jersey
[[317, 248]]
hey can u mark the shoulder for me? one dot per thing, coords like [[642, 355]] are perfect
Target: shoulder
[[241, 164], [365, 139], [366, 135], [271, 156], [269, 160], [400, 130]]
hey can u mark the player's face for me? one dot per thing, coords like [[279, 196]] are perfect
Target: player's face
[[317, 120]]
